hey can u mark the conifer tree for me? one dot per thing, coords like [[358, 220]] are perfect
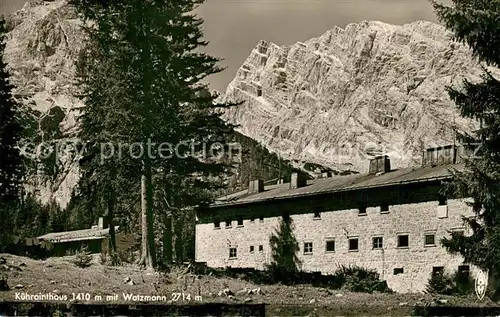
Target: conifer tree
[[476, 23], [10, 136], [100, 86], [284, 248], [150, 93], [10, 131]]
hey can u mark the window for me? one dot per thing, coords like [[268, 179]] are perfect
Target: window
[[430, 239], [442, 211], [240, 221], [353, 244], [251, 249], [442, 200], [232, 253], [261, 248], [317, 213], [398, 270], [228, 223], [261, 218], [403, 241], [378, 242], [384, 207], [437, 270], [330, 246], [362, 210], [216, 224], [308, 247]]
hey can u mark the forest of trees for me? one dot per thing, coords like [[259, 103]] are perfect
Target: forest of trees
[[141, 78]]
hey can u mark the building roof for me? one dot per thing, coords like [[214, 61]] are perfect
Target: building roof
[[340, 183], [77, 235]]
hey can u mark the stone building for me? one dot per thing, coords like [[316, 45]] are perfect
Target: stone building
[[389, 220]]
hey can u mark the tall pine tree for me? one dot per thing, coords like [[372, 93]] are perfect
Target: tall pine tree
[[150, 93], [10, 159], [103, 174], [10, 131], [284, 246], [476, 23]]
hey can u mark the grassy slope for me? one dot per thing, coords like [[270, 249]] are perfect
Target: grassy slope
[[61, 276]]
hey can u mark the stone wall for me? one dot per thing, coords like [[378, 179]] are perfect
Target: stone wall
[[416, 219]]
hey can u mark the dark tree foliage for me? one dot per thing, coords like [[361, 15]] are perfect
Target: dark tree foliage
[[444, 283], [10, 132], [284, 247], [10, 158], [476, 23], [28, 218], [142, 78]]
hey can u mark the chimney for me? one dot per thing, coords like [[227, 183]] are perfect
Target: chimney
[[441, 155], [326, 174], [298, 179], [464, 151], [256, 186], [103, 223], [380, 164]]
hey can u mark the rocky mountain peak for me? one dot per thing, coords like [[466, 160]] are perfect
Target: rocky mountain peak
[[43, 43], [350, 94]]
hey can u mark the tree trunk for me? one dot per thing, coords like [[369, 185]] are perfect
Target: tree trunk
[[148, 257], [112, 236], [189, 235], [167, 241], [150, 218], [179, 241]]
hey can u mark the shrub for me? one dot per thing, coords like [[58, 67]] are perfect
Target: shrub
[[464, 284], [58, 313], [450, 284], [350, 278], [83, 258], [3, 283], [358, 279], [118, 257], [440, 283], [110, 258], [103, 258]]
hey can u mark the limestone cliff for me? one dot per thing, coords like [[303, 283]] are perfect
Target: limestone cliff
[[42, 46], [371, 88]]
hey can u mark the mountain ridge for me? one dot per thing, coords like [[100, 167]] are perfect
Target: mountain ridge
[[350, 94]]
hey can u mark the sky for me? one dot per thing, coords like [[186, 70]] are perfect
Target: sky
[[234, 27]]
